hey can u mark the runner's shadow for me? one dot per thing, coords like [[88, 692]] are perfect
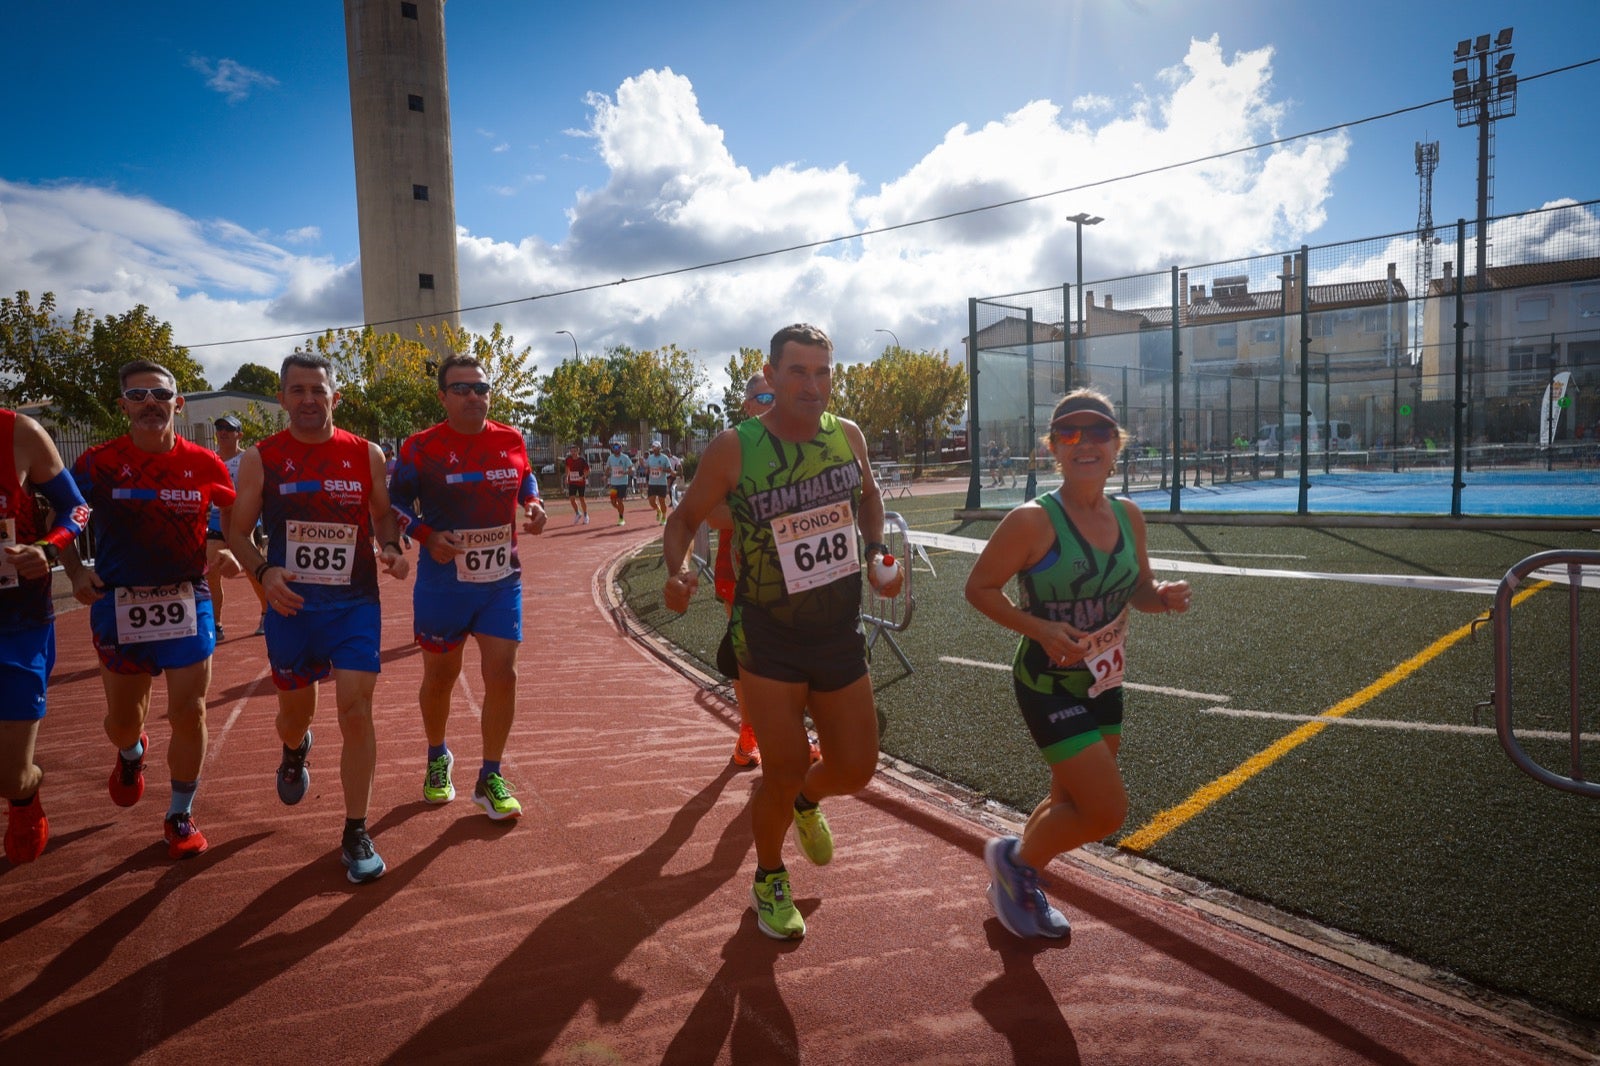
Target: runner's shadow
[[742, 1001], [145, 1008], [87, 951], [570, 958], [1020, 1006], [56, 843]]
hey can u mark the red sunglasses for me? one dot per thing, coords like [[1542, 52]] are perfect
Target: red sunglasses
[[1098, 433]]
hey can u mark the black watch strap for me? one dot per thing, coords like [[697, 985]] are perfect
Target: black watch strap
[[52, 553], [876, 546]]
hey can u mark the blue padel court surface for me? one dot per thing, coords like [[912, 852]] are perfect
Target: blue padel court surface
[[1518, 493], [611, 923]]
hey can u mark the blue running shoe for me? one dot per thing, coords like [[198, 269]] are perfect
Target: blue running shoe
[[293, 777], [361, 860], [1014, 890]]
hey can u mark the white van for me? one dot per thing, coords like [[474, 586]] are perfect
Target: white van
[[1341, 437]]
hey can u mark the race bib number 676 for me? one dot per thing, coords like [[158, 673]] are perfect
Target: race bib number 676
[[816, 547]]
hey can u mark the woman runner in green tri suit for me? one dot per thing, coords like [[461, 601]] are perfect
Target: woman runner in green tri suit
[[1080, 564]]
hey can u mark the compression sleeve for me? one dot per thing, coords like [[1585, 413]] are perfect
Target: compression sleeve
[[403, 488], [529, 489], [72, 513]]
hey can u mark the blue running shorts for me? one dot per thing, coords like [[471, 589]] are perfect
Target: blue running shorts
[[156, 655], [447, 612], [304, 648], [26, 659]]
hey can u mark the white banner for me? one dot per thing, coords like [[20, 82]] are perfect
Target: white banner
[[1550, 408]]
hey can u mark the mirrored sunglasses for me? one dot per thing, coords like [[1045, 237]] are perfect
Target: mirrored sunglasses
[[1098, 433], [139, 395], [464, 388], [763, 397]]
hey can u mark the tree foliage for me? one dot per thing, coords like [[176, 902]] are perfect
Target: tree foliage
[[929, 391], [253, 377], [741, 368], [577, 400], [71, 363], [604, 396]]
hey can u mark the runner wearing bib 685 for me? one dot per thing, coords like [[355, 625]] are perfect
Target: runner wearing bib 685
[[1080, 564], [805, 509], [149, 601], [469, 475], [320, 493]]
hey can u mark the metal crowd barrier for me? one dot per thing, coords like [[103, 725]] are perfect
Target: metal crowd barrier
[[1575, 563], [884, 617]]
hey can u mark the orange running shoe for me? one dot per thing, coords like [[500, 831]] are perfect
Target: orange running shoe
[[745, 751], [184, 839], [27, 829], [816, 752]]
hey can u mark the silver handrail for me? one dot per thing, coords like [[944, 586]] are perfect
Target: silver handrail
[[1575, 563]]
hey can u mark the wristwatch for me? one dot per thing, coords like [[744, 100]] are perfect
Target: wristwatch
[[52, 554], [876, 546]]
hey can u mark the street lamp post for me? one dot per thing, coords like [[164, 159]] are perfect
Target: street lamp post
[[574, 340], [1079, 220], [890, 332]]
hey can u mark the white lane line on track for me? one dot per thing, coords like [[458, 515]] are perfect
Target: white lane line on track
[[1589, 577], [1383, 723], [1374, 723], [1209, 697]]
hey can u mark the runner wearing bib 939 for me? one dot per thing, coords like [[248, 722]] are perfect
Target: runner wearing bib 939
[[320, 493], [469, 475], [149, 602], [1080, 564], [805, 509]]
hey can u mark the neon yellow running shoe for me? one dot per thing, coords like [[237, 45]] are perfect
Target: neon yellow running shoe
[[436, 786], [776, 915], [494, 796], [811, 832]]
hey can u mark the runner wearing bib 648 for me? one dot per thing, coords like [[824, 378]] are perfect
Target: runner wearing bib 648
[[1080, 564], [805, 510], [320, 493], [469, 475], [149, 602]]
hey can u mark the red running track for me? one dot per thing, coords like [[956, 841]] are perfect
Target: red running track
[[611, 924]]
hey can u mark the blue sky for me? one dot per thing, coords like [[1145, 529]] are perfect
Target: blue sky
[[195, 157]]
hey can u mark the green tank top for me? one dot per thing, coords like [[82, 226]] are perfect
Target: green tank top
[[794, 514], [1079, 585]]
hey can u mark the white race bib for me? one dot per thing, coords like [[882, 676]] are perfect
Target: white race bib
[[488, 554], [1105, 660], [155, 612], [319, 553], [816, 547], [9, 578]]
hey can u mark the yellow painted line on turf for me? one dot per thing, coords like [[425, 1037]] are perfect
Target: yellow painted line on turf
[[1143, 838]]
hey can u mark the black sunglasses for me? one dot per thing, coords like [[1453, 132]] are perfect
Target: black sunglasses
[[139, 395], [463, 388]]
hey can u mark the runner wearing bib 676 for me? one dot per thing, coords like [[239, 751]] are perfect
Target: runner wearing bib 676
[[149, 603], [320, 493], [804, 506], [1080, 564], [469, 476]]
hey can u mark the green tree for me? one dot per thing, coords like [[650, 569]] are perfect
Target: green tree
[[578, 399], [253, 377], [928, 390], [661, 387], [386, 390], [741, 368], [861, 394], [72, 364]]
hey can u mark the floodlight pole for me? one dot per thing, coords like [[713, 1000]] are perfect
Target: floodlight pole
[[1079, 220]]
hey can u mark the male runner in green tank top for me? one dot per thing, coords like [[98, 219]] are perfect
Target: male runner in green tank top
[[805, 507]]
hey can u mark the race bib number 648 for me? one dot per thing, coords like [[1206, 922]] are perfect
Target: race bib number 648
[[816, 547]]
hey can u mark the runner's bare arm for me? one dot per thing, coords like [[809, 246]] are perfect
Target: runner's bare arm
[[714, 478], [384, 524], [870, 520], [1021, 540]]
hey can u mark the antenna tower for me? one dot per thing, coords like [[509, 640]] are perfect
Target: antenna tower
[[1427, 163]]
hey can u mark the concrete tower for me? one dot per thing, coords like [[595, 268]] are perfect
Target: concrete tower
[[405, 193]]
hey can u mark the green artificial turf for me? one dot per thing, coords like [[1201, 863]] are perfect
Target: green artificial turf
[[1429, 842]]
